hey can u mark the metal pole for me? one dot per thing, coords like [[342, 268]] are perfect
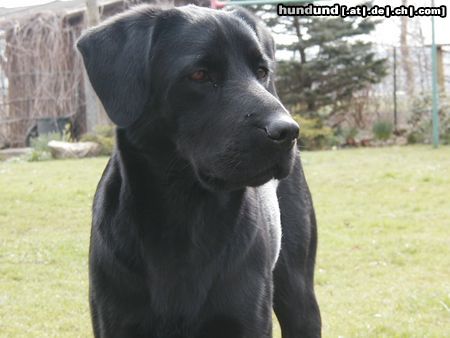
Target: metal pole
[[435, 85], [395, 89]]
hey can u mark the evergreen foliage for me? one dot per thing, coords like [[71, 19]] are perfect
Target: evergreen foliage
[[330, 62]]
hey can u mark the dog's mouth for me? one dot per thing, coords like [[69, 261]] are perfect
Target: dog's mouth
[[217, 175], [252, 180]]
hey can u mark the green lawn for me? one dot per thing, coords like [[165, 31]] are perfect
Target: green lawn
[[384, 243]]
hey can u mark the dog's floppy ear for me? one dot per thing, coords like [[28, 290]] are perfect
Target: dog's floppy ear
[[263, 34], [116, 55]]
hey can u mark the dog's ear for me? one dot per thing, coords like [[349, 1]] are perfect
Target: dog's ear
[[263, 34], [116, 56]]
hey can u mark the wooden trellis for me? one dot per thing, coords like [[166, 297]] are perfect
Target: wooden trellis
[[44, 74]]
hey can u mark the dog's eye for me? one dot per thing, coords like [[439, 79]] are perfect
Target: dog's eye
[[262, 73], [199, 75]]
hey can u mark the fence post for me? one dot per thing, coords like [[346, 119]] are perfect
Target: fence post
[[441, 69], [395, 89], [435, 85], [95, 113]]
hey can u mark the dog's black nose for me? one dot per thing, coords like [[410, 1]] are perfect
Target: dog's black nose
[[282, 130]]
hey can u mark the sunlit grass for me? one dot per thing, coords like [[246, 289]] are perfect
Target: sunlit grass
[[383, 266], [384, 252]]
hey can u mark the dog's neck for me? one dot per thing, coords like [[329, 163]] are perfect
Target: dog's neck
[[152, 159], [159, 170], [162, 189]]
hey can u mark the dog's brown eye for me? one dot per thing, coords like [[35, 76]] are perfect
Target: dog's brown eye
[[199, 75], [262, 73]]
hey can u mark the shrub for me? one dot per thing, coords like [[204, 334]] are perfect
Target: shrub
[[40, 150], [350, 133], [382, 130], [421, 121], [105, 131], [104, 136], [346, 135], [313, 134], [415, 136], [36, 155], [445, 130]]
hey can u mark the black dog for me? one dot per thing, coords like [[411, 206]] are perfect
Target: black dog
[[186, 220]]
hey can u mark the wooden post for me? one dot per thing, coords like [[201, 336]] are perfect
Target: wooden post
[[394, 91], [92, 15], [440, 69], [95, 113], [405, 56], [435, 84]]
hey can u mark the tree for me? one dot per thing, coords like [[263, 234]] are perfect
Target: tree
[[330, 62]]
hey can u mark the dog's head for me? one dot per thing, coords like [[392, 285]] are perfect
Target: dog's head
[[207, 78]]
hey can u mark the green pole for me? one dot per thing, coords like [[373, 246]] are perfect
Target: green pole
[[435, 86]]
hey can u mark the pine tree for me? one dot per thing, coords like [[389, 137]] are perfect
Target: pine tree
[[331, 62]]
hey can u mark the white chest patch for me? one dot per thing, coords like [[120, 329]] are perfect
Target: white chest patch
[[271, 213]]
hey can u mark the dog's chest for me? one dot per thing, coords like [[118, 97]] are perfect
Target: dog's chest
[[269, 216]]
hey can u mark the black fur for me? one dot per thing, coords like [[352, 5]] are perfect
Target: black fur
[[184, 237]]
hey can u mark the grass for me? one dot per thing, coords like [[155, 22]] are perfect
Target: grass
[[383, 266]]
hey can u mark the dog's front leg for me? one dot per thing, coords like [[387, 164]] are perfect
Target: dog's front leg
[[294, 300], [295, 304]]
